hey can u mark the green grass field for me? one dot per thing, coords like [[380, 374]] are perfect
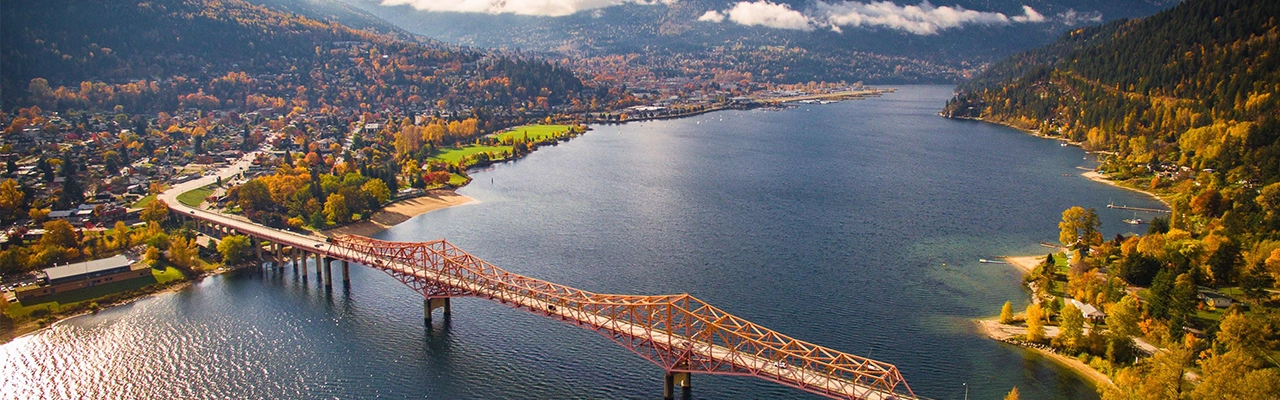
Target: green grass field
[[534, 133], [69, 299], [457, 180], [453, 155], [144, 201], [194, 197]]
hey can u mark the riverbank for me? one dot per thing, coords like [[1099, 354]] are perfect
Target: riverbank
[[400, 211]]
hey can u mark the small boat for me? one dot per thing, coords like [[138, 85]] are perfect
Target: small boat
[[1064, 144], [1135, 220]]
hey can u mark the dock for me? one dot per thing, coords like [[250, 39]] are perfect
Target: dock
[[1138, 209]]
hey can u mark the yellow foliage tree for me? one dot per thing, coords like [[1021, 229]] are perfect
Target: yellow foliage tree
[[1006, 313], [1035, 323]]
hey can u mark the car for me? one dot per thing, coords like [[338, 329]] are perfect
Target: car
[[780, 364], [317, 245]]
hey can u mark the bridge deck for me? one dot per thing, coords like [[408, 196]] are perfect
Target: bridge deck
[[677, 332]]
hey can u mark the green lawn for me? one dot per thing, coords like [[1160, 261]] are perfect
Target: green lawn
[[194, 197], [532, 133], [69, 299], [454, 155], [144, 201], [457, 180]]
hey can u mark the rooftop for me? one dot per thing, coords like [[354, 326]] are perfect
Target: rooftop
[[86, 267]]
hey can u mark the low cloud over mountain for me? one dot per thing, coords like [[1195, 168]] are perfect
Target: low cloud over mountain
[[921, 19]]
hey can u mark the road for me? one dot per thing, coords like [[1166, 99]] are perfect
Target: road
[[228, 173]]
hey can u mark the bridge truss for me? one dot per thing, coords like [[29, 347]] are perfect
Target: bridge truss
[[679, 333]]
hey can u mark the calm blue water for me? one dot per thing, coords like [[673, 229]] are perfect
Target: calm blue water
[[829, 223]]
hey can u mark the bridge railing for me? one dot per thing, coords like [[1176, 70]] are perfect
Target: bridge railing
[[678, 332]]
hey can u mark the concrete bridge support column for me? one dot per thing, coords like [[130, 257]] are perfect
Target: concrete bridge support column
[[301, 264], [672, 380], [431, 304], [257, 247], [328, 272], [319, 262], [346, 273]]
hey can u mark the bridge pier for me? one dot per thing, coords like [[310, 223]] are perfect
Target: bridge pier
[[257, 247], [328, 273], [431, 304], [319, 272], [673, 379], [300, 265], [346, 273]]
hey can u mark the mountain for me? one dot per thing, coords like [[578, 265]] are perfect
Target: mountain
[[1193, 86], [161, 55], [892, 43]]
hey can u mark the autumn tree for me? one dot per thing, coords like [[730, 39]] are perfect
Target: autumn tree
[[335, 208], [11, 198], [1235, 375], [1006, 313], [1035, 323], [38, 214], [253, 196], [59, 233], [377, 189], [1013, 394], [1123, 317], [155, 211], [183, 253], [1079, 228], [1070, 328], [234, 248], [1269, 199], [120, 235]]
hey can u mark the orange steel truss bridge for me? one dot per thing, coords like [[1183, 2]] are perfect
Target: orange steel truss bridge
[[680, 333]]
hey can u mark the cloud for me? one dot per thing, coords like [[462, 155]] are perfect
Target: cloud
[[921, 19], [712, 16], [549, 8], [1028, 15], [768, 14], [1072, 17]]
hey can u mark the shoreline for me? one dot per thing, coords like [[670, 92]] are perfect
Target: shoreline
[[1004, 333], [400, 211], [1093, 175], [1100, 178], [30, 327]]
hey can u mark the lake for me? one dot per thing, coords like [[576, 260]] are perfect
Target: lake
[[856, 225]]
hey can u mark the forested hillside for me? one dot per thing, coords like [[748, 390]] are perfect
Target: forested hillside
[[163, 55], [1183, 103], [1194, 86]]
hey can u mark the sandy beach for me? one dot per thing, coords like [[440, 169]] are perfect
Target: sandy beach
[[1026, 263], [401, 211], [1002, 332], [1100, 178]]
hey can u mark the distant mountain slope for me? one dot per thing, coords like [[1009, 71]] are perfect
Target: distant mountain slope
[[230, 53], [336, 11], [1195, 85], [672, 30]]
